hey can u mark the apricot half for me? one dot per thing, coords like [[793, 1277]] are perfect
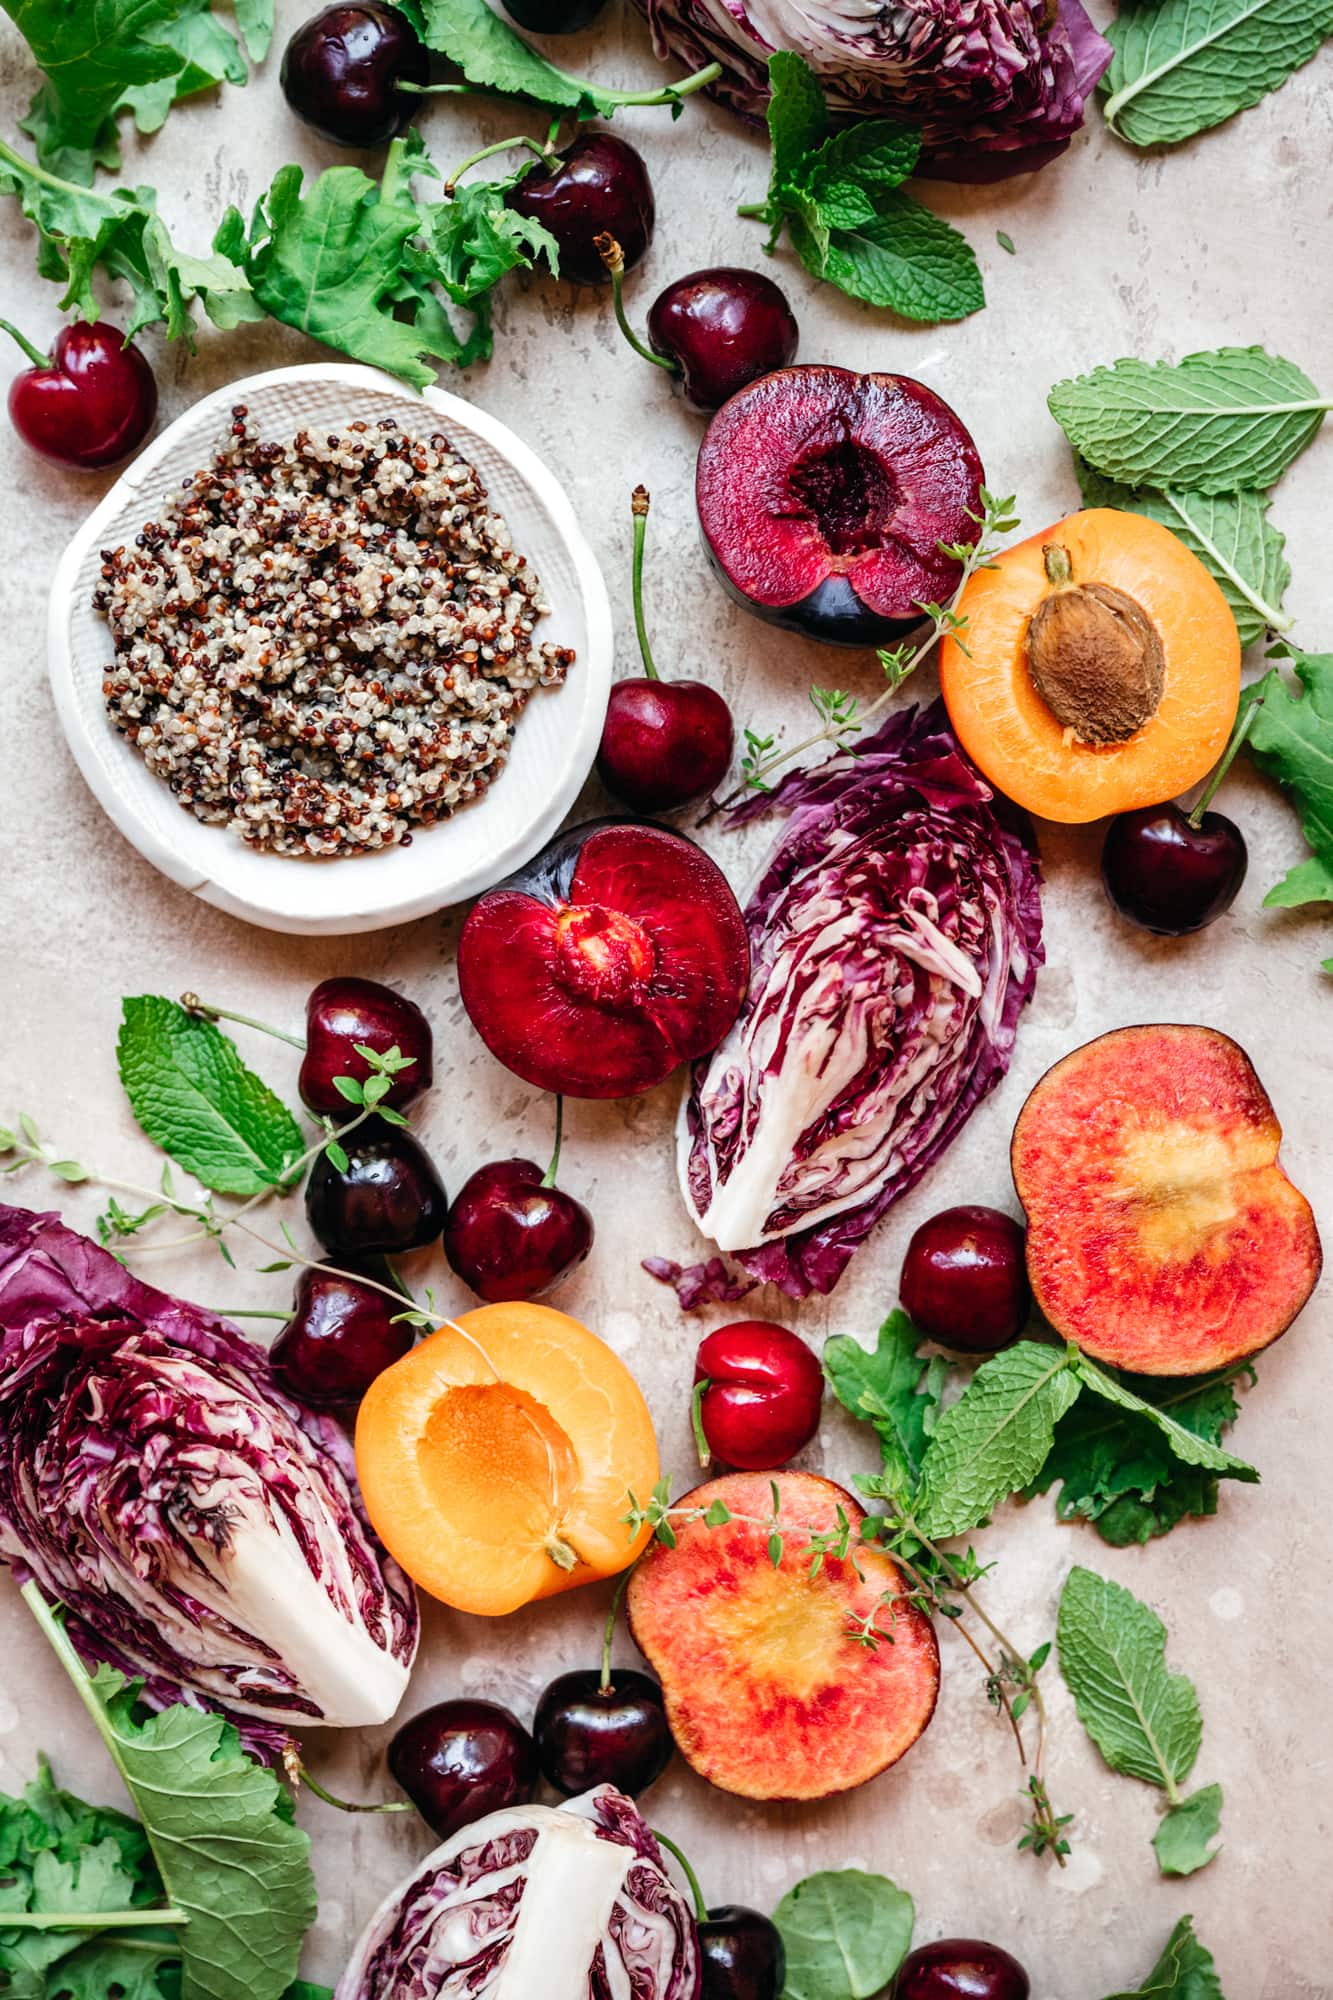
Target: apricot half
[[768, 1692], [497, 1459], [1163, 1236], [1099, 669]]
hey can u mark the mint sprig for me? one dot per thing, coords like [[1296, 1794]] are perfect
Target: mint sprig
[[838, 197]]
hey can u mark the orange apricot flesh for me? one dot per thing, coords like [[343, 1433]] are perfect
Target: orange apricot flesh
[[1016, 740], [1163, 1235], [497, 1459], [768, 1692]]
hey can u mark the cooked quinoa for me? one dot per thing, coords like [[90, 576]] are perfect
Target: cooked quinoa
[[326, 643]]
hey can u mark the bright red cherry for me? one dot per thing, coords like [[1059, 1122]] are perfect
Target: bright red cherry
[[341, 1013], [598, 186], [1167, 875], [965, 1281], [89, 403], [758, 1390]]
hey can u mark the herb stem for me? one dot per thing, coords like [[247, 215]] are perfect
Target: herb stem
[[92, 1920], [613, 257], [34, 354], [299, 1775], [392, 178], [203, 1010], [668, 93], [639, 510], [548, 1178], [1244, 724], [487, 152], [754, 211], [700, 1907]]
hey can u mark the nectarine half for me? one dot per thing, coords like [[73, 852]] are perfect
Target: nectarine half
[[1163, 1235], [768, 1692]]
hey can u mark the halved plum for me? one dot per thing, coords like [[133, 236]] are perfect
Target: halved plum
[[824, 495], [1163, 1236], [769, 1692], [616, 955]]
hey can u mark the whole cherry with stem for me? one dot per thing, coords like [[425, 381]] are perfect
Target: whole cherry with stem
[[742, 1951], [87, 404], [603, 1727], [663, 743], [713, 330], [1173, 872], [349, 1022], [511, 1233]]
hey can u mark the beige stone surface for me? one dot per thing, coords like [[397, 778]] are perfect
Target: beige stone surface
[[1225, 241]]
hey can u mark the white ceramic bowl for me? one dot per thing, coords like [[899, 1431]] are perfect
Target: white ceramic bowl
[[554, 744]]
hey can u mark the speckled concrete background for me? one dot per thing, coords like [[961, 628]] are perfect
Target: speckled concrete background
[[1226, 240]]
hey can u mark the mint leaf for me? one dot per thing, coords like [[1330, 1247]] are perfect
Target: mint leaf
[[1218, 422], [1185, 1971], [995, 1438], [894, 1391], [195, 1099], [1144, 1720], [1182, 66], [1184, 1837], [1189, 1446], [845, 1934], [1230, 533], [914, 263], [797, 118], [1292, 742], [874, 156]]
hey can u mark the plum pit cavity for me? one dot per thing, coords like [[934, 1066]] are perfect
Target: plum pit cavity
[[850, 493]]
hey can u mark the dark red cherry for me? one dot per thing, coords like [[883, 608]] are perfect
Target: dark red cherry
[[743, 1955], [598, 185], [90, 403], [765, 1386], [341, 1335], [509, 1236], [965, 1280], [590, 1735], [554, 17], [388, 1199], [342, 1012], [960, 1969], [460, 1760], [722, 328], [342, 69], [1168, 876], [664, 743]]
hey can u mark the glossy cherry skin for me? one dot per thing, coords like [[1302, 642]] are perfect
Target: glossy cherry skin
[[722, 328], [598, 185], [554, 17], [743, 1955], [93, 406], [460, 1760], [965, 1280], [664, 743], [508, 1237], [1167, 876], [340, 1336], [960, 1969], [588, 1736], [342, 1012], [765, 1388], [389, 1200], [342, 67]]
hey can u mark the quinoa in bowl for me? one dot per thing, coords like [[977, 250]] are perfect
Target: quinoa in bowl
[[326, 643]]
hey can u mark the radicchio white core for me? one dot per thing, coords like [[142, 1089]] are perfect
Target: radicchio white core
[[534, 1903], [895, 934]]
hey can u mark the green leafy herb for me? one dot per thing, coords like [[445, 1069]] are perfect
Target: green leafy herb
[[1292, 740], [838, 197], [894, 1391], [1231, 535], [1183, 1842], [1006, 241], [1185, 1971], [1143, 1719], [195, 1098], [996, 1437], [232, 1864], [1183, 66], [845, 1934], [1216, 422], [1190, 1446]]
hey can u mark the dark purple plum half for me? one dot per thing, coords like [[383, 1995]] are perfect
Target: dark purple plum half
[[823, 496]]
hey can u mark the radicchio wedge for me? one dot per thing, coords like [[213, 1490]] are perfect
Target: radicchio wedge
[[566, 1903], [200, 1528], [895, 935]]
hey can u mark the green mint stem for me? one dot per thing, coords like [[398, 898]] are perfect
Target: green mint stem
[[609, 1629], [91, 1920], [700, 1907], [205, 1011], [1244, 725], [488, 152], [548, 1178], [613, 257], [697, 1422], [34, 354], [639, 509]]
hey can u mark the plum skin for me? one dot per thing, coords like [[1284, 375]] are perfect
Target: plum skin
[[964, 1279]]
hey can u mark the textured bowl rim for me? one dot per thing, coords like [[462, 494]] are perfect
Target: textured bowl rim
[[82, 721]]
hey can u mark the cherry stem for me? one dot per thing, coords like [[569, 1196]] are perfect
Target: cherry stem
[[487, 152], [299, 1775], [1244, 725], [609, 1629], [34, 354], [639, 510], [203, 1011], [700, 1907], [613, 257], [548, 1178], [245, 1312], [697, 1422]]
